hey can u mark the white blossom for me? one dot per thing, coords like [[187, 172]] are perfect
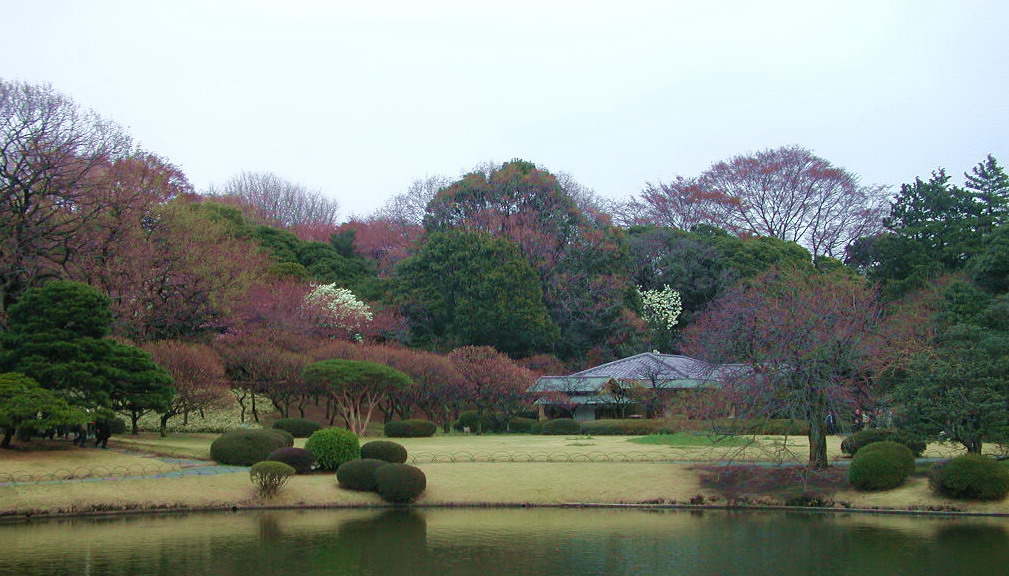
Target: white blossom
[[661, 308], [337, 308]]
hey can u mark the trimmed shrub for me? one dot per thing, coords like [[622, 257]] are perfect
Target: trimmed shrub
[[384, 450], [359, 474], [246, 447], [469, 418], [270, 477], [520, 424], [627, 427], [298, 427], [117, 426], [298, 458], [561, 426], [399, 483], [286, 437], [412, 428], [333, 446], [880, 466], [537, 427], [970, 477], [856, 441]]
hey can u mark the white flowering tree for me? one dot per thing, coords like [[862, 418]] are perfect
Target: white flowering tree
[[662, 308], [336, 311]]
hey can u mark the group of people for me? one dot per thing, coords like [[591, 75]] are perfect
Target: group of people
[[99, 431]]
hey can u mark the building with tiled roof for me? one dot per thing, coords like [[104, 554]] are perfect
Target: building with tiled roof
[[606, 391]]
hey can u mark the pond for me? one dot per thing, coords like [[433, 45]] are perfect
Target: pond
[[491, 542]]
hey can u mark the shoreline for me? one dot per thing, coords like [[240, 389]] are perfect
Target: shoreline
[[28, 516], [502, 484]]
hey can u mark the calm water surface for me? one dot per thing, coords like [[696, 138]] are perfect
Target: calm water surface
[[498, 542]]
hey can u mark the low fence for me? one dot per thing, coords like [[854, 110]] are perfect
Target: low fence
[[153, 469]]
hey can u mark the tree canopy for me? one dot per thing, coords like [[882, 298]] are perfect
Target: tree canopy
[[56, 335], [356, 388], [465, 288]]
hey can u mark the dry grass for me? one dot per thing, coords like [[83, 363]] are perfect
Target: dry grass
[[448, 484]]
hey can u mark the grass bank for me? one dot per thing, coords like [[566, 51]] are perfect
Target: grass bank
[[686, 475]]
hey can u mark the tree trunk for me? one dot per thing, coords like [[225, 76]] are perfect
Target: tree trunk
[[134, 417], [817, 446], [164, 424], [8, 434], [816, 414], [255, 412]]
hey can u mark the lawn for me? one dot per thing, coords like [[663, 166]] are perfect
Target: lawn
[[582, 470]]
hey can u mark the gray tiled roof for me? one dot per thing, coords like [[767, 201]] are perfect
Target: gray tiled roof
[[659, 367], [668, 371]]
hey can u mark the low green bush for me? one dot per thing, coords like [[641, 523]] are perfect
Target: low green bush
[[333, 446], [537, 427], [298, 427], [880, 466], [246, 447], [117, 426], [270, 477], [384, 450], [476, 424], [411, 428], [970, 477], [520, 424], [400, 483], [561, 426], [298, 458], [856, 441], [359, 474], [627, 427], [286, 437]]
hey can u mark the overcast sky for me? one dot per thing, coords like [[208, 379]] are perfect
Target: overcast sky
[[359, 99]]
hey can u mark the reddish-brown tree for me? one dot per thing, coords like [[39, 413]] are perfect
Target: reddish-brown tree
[[198, 374], [804, 339], [794, 195], [49, 148], [494, 384], [682, 203]]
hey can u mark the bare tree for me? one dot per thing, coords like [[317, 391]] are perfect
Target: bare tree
[[682, 203], [286, 203], [794, 195], [788, 193], [48, 149], [407, 209]]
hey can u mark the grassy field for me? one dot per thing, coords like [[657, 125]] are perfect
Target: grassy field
[[488, 470]]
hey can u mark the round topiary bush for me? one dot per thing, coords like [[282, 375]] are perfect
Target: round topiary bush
[[561, 426], [286, 437], [853, 443], [384, 450], [970, 477], [399, 483], [270, 477], [298, 458], [359, 474], [245, 447], [412, 428], [298, 427], [117, 426], [333, 446], [880, 466]]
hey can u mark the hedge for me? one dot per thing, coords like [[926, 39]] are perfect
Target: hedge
[[412, 428]]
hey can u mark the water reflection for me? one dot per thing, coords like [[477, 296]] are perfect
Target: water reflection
[[491, 542]]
